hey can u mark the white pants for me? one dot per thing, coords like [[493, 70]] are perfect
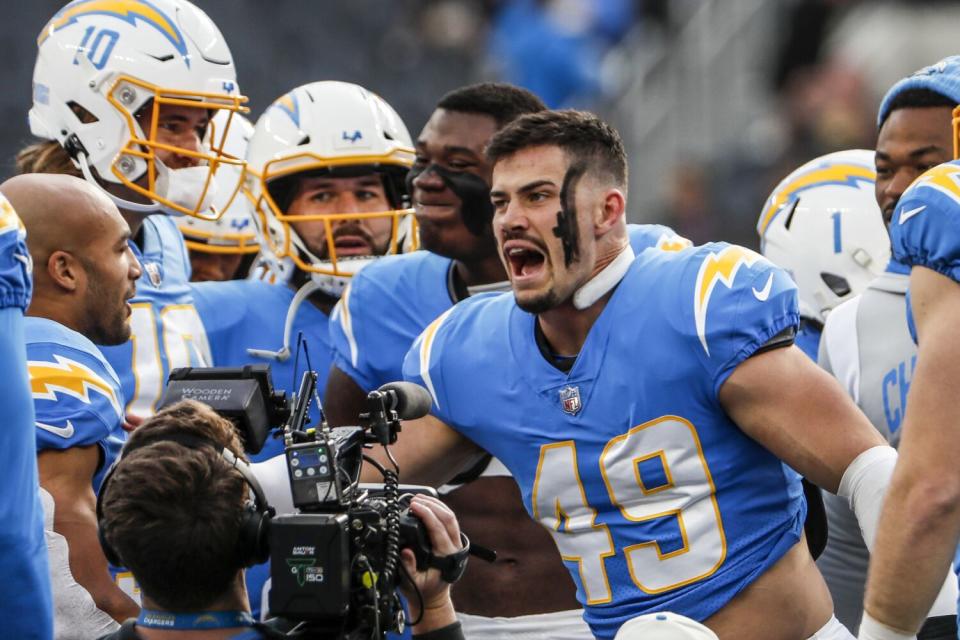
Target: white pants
[[561, 625], [833, 630]]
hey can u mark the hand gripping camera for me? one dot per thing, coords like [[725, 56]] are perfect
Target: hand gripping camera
[[335, 565]]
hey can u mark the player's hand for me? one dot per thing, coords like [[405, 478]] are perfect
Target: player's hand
[[444, 533], [131, 422]]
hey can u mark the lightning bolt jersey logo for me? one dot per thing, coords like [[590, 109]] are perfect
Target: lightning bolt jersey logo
[[70, 378], [130, 11], [717, 268]]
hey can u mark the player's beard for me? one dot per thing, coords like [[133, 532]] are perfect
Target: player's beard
[[544, 302], [323, 251], [106, 314]]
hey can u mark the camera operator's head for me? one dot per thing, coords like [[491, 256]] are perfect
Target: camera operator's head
[[175, 511]]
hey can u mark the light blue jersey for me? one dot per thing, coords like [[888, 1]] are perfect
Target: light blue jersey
[[655, 499], [925, 231], [26, 609], [76, 394], [391, 301], [238, 315], [166, 332]]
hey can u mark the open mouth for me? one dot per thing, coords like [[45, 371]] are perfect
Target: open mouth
[[525, 262], [352, 246]]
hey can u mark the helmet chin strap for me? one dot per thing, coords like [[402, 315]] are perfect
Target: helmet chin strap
[[128, 205], [600, 284], [283, 354]]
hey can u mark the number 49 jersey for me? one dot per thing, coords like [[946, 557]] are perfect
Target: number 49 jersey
[[655, 498], [166, 330]]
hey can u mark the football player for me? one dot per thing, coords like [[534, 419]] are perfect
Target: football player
[[125, 94], [646, 406], [84, 276], [387, 305], [326, 173], [25, 602], [225, 248], [822, 225], [920, 524], [866, 342]]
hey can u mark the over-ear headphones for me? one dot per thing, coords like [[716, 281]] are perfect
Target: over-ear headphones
[[252, 541]]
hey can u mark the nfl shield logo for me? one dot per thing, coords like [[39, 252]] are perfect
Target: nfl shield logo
[[570, 400], [153, 271]]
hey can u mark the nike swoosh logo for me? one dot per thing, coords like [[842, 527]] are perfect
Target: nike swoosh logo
[[906, 215], [63, 432], [764, 293]]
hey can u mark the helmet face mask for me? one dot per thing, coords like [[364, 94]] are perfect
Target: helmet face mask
[[305, 249], [148, 148], [106, 74], [233, 231], [338, 134]]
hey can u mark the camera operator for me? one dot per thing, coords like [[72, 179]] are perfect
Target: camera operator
[[174, 510]]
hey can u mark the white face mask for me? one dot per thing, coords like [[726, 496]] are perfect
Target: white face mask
[[184, 186]]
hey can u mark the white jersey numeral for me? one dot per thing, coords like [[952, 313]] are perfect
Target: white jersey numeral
[[184, 345], [560, 504], [655, 470]]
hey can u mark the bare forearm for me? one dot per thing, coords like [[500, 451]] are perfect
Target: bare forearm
[[90, 570], [915, 546], [920, 522]]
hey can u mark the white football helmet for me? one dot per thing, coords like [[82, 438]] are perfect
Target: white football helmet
[[823, 225], [101, 61], [234, 231], [327, 127], [664, 625]]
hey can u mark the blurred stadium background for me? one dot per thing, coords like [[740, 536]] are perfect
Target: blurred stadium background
[[716, 99]]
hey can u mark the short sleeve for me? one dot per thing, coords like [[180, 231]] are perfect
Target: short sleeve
[[925, 230], [741, 301], [76, 404], [15, 264]]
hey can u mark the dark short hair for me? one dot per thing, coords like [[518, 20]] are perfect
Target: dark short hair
[[580, 134], [172, 513], [501, 101], [918, 98]]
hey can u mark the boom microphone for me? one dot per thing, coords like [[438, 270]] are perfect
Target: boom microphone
[[409, 400]]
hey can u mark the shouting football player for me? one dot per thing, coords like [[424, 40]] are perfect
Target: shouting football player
[[526, 590], [646, 405]]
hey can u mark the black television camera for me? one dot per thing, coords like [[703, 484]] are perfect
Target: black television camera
[[335, 565]]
